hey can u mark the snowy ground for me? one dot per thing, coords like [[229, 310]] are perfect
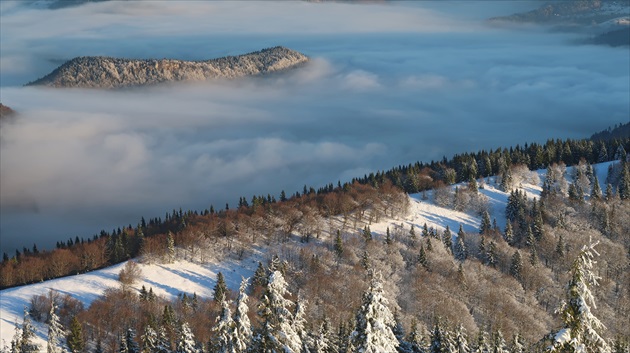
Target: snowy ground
[[169, 280]]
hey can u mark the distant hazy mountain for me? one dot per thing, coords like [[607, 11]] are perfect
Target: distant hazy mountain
[[617, 38], [106, 72], [5, 111], [58, 4], [576, 12]]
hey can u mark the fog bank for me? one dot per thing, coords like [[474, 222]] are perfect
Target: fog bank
[[387, 85]]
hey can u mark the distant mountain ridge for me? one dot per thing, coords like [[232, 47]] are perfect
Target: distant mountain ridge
[[577, 11], [107, 72], [6, 111]]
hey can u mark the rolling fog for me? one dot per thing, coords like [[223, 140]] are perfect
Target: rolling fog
[[387, 85]]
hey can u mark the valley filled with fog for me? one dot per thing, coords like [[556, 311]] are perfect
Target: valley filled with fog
[[387, 84]]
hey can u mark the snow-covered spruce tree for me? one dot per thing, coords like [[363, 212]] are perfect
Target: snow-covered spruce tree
[[459, 248], [498, 343], [224, 328], [422, 258], [163, 343], [55, 331], [276, 334], [486, 225], [516, 265], [482, 345], [260, 276], [28, 334], [127, 342], [447, 239], [491, 255], [299, 323], [322, 342], [415, 338], [517, 344], [242, 326], [374, 322], [509, 234], [460, 341], [149, 340], [186, 340], [580, 327], [338, 246], [441, 339], [596, 191], [170, 248]]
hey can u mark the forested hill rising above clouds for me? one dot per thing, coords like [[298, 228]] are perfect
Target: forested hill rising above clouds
[[106, 72]]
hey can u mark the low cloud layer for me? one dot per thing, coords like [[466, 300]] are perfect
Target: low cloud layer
[[387, 85]]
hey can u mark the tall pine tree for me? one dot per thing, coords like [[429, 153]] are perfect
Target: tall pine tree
[[374, 322], [581, 329]]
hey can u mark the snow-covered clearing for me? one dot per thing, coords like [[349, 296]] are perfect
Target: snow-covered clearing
[[167, 280]]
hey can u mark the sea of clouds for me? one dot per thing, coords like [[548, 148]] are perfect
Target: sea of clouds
[[388, 84]]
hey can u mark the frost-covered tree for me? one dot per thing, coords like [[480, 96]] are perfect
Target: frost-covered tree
[[530, 240], [128, 342], [609, 192], [25, 341], [442, 340], [299, 323], [460, 341], [482, 345], [185, 340], [338, 246], [260, 276], [491, 255], [460, 252], [509, 234], [412, 236], [517, 344], [276, 334], [163, 343], [498, 343], [242, 325], [486, 224], [624, 183], [580, 332], [170, 248], [55, 331], [516, 265], [374, 322], [224, 328], [414, 339], [149, 340], [322, 342], [560, 246], [596, 191], [447, 239]]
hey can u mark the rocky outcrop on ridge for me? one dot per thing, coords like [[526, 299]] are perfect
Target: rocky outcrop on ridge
[[107, 72]]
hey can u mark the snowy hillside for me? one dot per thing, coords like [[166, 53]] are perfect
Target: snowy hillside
[[169, 280]]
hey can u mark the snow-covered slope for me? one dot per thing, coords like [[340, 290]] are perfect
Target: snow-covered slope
[[169, 280]]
